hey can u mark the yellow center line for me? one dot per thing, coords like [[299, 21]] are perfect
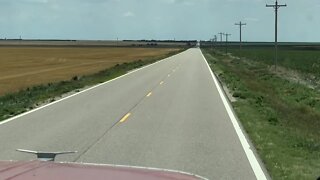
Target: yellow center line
[[125, 118], [150, 93], [161, 82]]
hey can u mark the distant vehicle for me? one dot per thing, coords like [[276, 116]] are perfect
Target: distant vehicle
[[198, 44], [46, 169]]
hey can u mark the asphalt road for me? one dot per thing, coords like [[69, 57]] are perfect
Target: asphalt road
[[167, 115]]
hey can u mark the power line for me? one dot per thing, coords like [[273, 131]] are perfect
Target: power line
[[276, 6], [240, 26]]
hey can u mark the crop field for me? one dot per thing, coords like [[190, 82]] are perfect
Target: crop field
[[305, 59], [22, 67], [95, 43]]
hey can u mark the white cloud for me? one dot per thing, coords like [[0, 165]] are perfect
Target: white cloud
[[128, 14], [251, 19], [241, 1], [33, 1], [185, 2]]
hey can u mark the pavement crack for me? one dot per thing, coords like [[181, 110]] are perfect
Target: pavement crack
[[116, 122], [95, 142]]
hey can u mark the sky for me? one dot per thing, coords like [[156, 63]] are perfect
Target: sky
[[158, 19]]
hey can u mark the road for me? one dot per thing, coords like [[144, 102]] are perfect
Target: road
[[167, 115]]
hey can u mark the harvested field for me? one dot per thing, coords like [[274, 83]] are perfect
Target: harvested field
[[22, 67]]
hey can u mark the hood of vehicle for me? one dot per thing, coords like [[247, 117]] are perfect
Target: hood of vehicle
[[38, 170]]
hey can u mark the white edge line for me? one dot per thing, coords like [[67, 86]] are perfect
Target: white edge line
[[138, 167], [245, 145], [83, 91]]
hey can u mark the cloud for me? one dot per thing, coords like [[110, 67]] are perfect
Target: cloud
[[58, 1], [246, 1], [128, 14], [185, 2], [39, 1], [251, 19], [33, 1]]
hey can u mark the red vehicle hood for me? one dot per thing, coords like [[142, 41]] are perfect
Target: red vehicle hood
[[38, 170]]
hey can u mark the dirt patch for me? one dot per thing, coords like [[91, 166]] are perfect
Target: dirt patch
[[228, 93], [308, 80]]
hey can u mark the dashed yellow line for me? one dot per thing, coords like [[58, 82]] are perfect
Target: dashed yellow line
[[125, 118], [150, 93], [161, 82]]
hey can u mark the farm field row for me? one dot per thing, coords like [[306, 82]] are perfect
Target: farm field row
[[305, 59], [22, 67]]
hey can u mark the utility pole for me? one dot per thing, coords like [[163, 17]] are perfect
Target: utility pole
[[221, 34], [276, 6], [240, 25], [213, 41], [226, 34]]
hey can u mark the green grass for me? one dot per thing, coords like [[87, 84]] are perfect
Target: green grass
[[22, 101], [282, 118]]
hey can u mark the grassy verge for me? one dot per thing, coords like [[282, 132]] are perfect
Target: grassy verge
[[282, 118], [22, 101]]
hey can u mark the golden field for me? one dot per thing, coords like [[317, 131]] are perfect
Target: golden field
[[22, 67]]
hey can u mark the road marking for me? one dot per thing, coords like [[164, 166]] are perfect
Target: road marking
[[169, 75], [83, 91], [174, 70], [245, 145], [125, 118], [150, 93], [161, 82]]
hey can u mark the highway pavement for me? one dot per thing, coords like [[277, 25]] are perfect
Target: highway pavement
[[170, 115]]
